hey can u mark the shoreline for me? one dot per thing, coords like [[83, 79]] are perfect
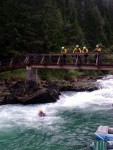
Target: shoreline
[[79, 84], [30, 92]]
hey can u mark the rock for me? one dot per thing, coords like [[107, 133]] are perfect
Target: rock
[[80, 84], [9, 99], [29, 93], [21, 88]]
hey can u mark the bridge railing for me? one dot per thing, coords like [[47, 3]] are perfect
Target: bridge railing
[[57, 59], [71, 59], [13, 63]]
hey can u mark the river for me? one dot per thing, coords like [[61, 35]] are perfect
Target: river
[[69, 124]]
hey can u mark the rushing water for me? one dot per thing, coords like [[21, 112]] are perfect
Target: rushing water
[[69, 124]]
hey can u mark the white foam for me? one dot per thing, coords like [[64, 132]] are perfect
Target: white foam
[[27, 116]]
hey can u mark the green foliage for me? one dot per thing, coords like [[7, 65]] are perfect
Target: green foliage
[[53, 74], [19, 74], [94, 73], [44, 26]]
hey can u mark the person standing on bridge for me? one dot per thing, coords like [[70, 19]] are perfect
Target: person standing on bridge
[[97, 50], [64, 52], [85, 53], [77, 51]]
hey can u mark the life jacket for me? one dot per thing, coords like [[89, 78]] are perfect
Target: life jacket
[[84, 51], [63, 51], [77, 50], [97, 50]]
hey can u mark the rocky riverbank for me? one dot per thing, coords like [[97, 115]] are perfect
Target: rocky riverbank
[[29, 92], [79, 84]]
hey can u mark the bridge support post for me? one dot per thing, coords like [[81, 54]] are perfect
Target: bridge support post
[[37, 76], [32, 74], [97, 59], [28, 73]]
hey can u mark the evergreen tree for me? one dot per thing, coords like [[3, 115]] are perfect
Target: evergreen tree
[[44, 26], [93, 24]]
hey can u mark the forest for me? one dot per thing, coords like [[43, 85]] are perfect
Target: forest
[[44, 26]]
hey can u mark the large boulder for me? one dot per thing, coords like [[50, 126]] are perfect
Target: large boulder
[[29, 93]]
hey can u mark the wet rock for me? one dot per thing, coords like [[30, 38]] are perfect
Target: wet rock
[[21, 88], [29, 93]]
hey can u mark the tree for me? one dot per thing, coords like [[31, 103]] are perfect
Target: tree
[[93, 24]]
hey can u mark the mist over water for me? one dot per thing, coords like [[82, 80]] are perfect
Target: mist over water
[[69, 124]]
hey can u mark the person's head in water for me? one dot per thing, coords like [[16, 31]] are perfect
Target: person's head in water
[[40, 111]]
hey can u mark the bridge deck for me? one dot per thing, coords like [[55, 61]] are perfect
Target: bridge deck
[[79, 67]]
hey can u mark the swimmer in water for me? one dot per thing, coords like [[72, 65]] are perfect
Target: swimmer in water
[[41, 113]]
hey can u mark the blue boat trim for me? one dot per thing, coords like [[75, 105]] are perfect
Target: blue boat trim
[[105, 137]]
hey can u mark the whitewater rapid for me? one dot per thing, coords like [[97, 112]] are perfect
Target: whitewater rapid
[[12, 116]]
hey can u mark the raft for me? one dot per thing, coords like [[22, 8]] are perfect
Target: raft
[[104, 133], [100, 145], [103, 139]]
